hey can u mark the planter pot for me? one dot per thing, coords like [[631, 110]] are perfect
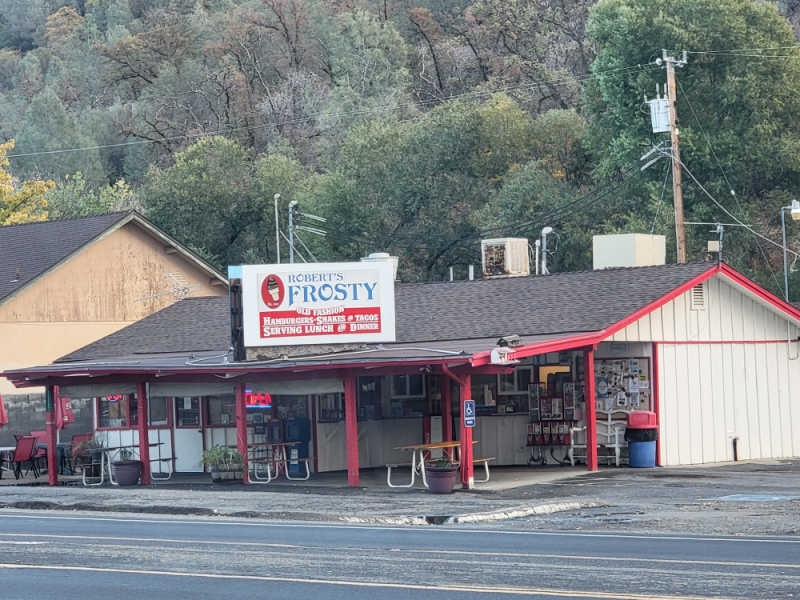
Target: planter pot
[[222, 474], [441, 480], [127, 472]]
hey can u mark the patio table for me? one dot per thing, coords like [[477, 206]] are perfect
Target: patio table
[[106, 453], [418, 466]]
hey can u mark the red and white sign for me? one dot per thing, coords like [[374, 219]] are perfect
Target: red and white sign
[[318, 303]]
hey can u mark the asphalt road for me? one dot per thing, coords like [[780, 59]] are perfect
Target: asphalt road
[[83, 556]]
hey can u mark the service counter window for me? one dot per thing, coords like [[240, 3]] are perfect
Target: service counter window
[[220, 410], [158, 411], [117, 411]]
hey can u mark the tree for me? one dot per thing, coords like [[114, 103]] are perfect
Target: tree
[[738, 111], [217, 198], [20, 203], [72, 197]]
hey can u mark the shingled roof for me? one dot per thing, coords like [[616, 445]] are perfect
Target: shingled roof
[[554, 304], [27, 251]]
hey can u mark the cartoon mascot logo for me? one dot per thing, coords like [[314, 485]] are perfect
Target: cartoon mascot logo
[[272, 291]]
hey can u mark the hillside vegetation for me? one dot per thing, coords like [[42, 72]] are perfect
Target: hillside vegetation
[[415, 127]]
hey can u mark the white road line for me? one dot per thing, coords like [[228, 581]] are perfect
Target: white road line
[[523, 555], [369, 584], [451, 530]]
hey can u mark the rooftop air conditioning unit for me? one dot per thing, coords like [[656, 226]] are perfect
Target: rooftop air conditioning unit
[[505, 257]]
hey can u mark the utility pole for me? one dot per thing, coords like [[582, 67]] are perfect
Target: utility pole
[[275, 199], [292, 211], [677, 191]]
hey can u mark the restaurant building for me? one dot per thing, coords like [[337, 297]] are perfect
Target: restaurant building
[[714, 355]]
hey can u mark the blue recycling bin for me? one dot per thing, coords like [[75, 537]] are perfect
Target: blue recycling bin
[[642, 454]]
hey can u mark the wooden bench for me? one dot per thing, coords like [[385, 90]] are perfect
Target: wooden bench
[[389, 468], [485, 463]]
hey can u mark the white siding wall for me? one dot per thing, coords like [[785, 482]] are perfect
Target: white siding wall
[[710, 393], [730, 314]]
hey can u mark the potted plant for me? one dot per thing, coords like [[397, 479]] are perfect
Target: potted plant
[[126, 469], [441, 475], [224, 464]]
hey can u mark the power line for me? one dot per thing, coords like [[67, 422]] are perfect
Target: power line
[[366, 111], [761, 250], [729, 213], [743, 50], [661, 200]]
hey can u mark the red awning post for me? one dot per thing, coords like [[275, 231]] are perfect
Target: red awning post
[[52, 443], [447, 412], [467, 478], [144, 435], [351, 430], [241, 430], [591, 412]]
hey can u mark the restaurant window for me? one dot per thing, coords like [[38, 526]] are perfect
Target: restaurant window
[[133, 410], [408, 386], [369, 398], [331, 408], [113, 411], [187, 411], [158, 411], [221, 410]]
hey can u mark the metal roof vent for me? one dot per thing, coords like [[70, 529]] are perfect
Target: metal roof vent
[[505, 257], [698, 297]]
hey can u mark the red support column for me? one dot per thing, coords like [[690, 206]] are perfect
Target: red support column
[[447, 411], [241, 430], [144, 437], [52, 442], [351, 430], [591, 412], [467, 478], [656, 407]]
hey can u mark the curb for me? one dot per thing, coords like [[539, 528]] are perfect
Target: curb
[[522, 511], [484, 517]]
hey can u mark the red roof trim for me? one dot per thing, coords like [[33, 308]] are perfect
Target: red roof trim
[[635, 316], [759, 291]]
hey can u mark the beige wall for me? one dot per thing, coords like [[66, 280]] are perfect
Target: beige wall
[[105, 281], [91, 295]]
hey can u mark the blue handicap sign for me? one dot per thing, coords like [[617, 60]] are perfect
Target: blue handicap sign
[[469, 413]]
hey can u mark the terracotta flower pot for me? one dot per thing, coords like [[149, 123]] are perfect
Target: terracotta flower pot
[[441, 479]]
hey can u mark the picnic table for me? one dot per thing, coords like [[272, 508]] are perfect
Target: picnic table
[[417, 465], [106, 458], [269, 458]]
